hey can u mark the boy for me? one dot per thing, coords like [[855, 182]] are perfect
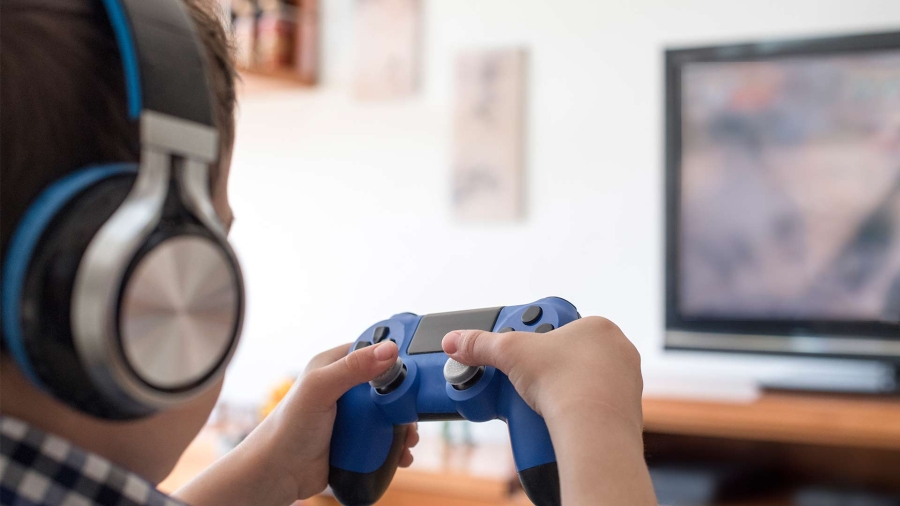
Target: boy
[[63, 100]]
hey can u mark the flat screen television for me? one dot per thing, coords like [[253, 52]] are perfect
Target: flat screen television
[[783, 197]]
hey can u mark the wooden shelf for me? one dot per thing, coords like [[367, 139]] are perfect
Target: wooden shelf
[[301, 66], [257, 81], [783, 418], [286, 75]]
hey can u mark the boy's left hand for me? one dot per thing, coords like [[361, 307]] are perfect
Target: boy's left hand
[[286, 457], [297, 434]]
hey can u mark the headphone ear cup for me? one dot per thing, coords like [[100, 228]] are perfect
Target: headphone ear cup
[[47, 300]]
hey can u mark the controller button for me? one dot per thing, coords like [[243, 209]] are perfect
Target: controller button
[[380, 333], [462, 376], [389, 380], [360, 345], [532, 314], [544, 328], [506, 329]]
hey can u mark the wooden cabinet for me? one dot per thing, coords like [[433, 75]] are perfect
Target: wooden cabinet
[[857, 422], [842, 441], [838, 440]]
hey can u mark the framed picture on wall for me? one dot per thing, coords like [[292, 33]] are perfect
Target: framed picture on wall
[[488, 135], [387, 48]]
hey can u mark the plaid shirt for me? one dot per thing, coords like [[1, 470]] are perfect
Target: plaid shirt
[[43, 469]]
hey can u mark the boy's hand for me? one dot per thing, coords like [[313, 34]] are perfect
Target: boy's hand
[[286, 457], [301, 425], [587, 361], [585, 380]]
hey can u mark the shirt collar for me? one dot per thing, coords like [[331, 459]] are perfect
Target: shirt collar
[[40, 468]]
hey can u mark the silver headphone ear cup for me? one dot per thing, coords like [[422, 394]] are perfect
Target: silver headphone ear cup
[[179, 312], [46, 301], [196, 279]]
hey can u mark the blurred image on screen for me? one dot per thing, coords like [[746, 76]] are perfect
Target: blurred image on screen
[[790, 188]]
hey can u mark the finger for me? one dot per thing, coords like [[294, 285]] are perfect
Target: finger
[[328, 357], [322, 387], [406, 459], [412, 436], [477, 347]]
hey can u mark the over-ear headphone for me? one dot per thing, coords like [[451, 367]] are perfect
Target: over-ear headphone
[[120, 293]]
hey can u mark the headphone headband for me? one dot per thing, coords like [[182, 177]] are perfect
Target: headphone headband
[[163, 62]]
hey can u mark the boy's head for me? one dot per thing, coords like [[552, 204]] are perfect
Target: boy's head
[[63, 106], [63, 97]]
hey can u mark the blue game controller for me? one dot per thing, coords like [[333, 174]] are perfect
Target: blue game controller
[[426, 385]]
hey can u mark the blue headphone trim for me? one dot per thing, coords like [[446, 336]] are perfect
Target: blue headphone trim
[[23, 242], [127, 54]]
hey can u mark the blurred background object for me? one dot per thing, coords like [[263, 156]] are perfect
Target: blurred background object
[[345, 216], [276, 32], [387, 35], [488, 135], [275, 396], [783, 201], [276, 39]]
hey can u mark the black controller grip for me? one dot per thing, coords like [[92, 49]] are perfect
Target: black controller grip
[[541, 484], [364, 489]]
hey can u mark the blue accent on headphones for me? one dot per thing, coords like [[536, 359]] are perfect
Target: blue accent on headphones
[[24, 241], [128, 55]]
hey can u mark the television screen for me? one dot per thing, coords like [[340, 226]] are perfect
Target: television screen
[[789, 188]]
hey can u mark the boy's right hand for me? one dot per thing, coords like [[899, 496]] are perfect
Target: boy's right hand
[[585, 380], [587, 363]]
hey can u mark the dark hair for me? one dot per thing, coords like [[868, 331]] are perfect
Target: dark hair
[[62, 95]]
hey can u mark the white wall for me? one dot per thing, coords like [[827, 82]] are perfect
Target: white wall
[[343, 208]]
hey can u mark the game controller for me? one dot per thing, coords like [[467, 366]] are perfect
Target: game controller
[[424, 384]]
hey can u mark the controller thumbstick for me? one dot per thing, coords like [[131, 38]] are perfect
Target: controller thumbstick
[[461, 376], [389, 380]]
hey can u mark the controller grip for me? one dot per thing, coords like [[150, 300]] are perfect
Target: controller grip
[[364, 489], [532, 450], [541, 484]]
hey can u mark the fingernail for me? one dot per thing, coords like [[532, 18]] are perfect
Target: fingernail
[[383, 351], [451, 342]]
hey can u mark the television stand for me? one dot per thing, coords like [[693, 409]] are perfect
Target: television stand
[[884, 383]]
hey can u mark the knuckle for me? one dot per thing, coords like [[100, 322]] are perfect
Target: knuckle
[[311, 378], [353, 362], [632, 354], [320, 360], [505, 343], [320, 357], [468, 342], [309, 385], [600, 324]]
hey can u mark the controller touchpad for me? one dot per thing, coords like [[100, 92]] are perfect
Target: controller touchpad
[[434, 327]]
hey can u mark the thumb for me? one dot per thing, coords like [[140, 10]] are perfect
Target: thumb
[[478, 347], [324, 386]]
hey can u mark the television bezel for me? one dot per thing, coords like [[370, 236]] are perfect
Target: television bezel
[[827, 338]]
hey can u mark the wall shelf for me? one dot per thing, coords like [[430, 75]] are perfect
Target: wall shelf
[[286, 75], [260, 81]]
